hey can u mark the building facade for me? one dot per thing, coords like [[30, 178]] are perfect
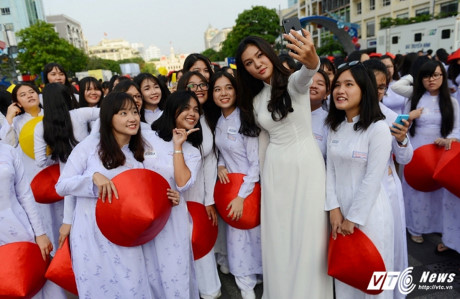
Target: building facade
[[152, 52], [18, 14], [213, 38], [113, 49], [70, 30], [172, 62]]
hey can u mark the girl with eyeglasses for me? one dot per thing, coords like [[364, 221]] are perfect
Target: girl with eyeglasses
[[429, 212], [174, 145], [202, 191], [237, 154], [275, 106], [154, 95], [358, 150], [391, 99], [402, 151]]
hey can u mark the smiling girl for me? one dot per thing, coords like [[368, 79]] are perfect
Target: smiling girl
[[154, 95]]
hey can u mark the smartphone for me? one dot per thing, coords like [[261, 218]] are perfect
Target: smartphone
[[400, 118], [292, 23]]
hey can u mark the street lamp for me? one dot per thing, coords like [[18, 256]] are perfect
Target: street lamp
[[12, 47]]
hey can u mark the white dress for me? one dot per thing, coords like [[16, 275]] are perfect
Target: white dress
[[394, 101], [20, 218], [393, 189], [356, 165], [424, 210], [320, 130], [102, 269], [151, 116], [202, 191], [80, 119], [294, 229], [169, 257], [239, 154]]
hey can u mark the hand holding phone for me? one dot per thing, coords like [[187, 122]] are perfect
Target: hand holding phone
[[292, 23], [399, 119]]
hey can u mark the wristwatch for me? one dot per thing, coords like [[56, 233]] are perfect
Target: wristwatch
[[404, 142]]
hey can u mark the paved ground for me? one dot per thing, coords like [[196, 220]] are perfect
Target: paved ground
[[421, 256]]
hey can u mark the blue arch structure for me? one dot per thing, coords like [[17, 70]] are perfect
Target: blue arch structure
[[344, 37]]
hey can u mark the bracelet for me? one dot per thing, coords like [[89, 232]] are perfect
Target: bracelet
[[178, 152]]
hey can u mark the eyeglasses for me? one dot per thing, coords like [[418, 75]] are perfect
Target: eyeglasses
[[194, 86], [435, 76], [350, 64]]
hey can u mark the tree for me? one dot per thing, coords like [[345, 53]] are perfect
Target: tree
[[213, 55], [259, 21], [40, 45], [96, 63], [330, 46]]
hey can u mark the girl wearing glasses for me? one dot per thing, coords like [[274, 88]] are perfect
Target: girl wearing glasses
[[358, 150], [391, 99], [438, 123], [174, 152], [275, 103], [237, 154], [154, 95], [202, 191], [402, 151]]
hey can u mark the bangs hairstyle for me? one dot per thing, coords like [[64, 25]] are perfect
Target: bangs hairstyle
[[175, 104], [164, 90], [216, 112], [369, 109], [47, 69], [192, 58], [375, 65], [84, 85], [57, 124], [326, 63], [326, 79], [280, 103], [14, 94], [445, 101], [110, 152], [395, 67]]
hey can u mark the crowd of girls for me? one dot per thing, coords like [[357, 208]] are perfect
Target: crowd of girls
[[289, 125]]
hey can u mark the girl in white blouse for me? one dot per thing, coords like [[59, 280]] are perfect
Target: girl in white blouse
[[154, 95], [237, 154], [103, 269], [358, 150]]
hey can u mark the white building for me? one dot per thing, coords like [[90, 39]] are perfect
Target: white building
[[70, 30], [152, 52], [139, 47], [172, 62], [113, 49]]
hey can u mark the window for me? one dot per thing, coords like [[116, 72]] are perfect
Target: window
[[445, 34], [423, 11], [394, 39], [449, 7], [358, 8], [386, 3], [371, 4], [5, 11], [370, 28], [417, 37], [403, 16]]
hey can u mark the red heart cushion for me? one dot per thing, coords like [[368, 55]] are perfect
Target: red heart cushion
[[447, 172], [419, 172], [43, 185], [60, 269], [22, 270], [204, 234], [141, 210], [353, 259], [225, 193]]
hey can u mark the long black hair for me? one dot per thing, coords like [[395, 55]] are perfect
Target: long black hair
[[445, 101], [176, 103], [109, 151], [280, 103], [84, 85], [369, 109], [57, 124], [164, 90], [453, 71], [194, 57]]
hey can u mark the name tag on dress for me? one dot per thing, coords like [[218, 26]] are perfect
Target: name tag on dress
[[318, 137], [232, 130], [150, 154], [359, 155]]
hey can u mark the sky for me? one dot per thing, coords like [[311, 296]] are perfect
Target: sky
[[161, 23]]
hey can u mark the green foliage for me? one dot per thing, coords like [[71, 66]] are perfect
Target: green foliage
[[259, 21], [213, 55], [96, 63], [150, 68], [40, 45], [388, 22], [330, 46]]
